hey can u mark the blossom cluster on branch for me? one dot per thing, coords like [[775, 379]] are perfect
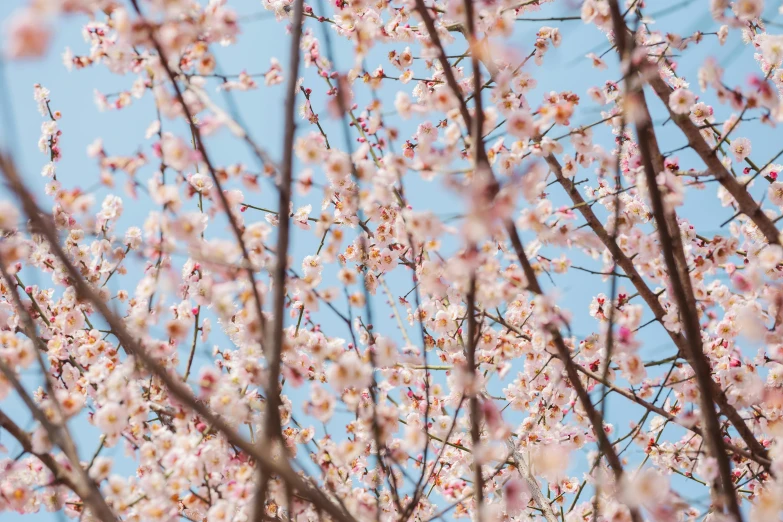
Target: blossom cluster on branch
[[411, 366]]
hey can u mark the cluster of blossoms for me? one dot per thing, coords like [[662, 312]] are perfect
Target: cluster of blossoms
[[412, 365]]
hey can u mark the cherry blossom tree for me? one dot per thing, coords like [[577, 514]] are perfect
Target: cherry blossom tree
[[476, 398]]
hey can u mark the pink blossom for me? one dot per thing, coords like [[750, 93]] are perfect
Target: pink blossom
[[176, 153], [111, 418], [681, 101], [27, 35], [517, 495], [741, 148]]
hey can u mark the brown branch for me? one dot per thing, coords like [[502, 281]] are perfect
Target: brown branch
[[674, 257], [444, 62], [272, 432], [747, 205], [564, 354], [284, 225], [475, 411], [46, 228], [672, 249], [61, 475], [481, 166]]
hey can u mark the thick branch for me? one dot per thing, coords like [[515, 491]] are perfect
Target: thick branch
[[61, 475], [747, 205], [524, 471], [674, 257], [272, 431]]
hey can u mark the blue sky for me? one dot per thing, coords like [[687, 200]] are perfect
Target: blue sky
[[123, 132]]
